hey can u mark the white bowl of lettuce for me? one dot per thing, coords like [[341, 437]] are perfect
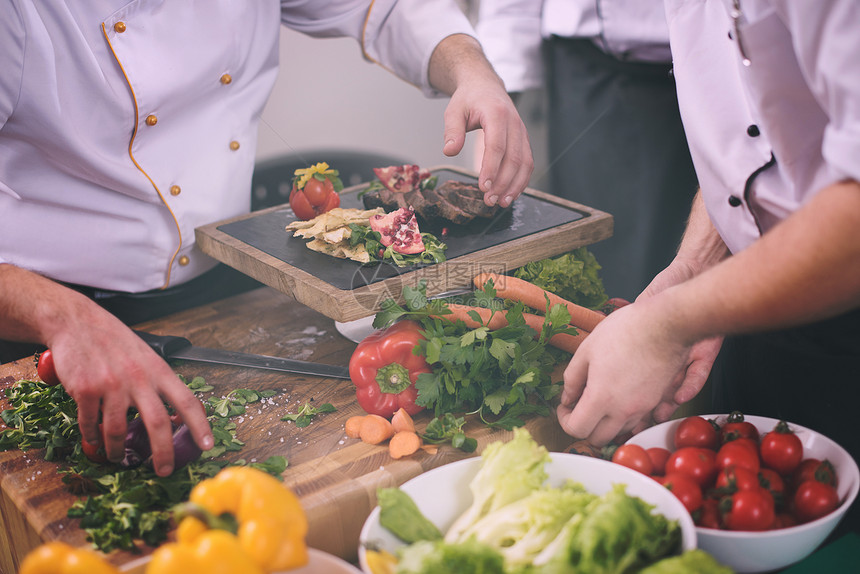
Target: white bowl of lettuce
[[518, 508]]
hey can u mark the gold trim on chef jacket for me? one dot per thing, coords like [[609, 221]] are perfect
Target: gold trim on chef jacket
[[134, 161]]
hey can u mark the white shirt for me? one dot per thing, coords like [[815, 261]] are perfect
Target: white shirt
[[511, 32], [800, 92], [126, 125]]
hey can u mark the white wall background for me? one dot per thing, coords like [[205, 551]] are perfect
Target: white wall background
[[328, 96]]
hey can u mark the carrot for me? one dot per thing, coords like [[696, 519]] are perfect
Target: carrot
[[561, 341], [529, 294], [352, 425], [402, 421], [375, 429], [404, 443]]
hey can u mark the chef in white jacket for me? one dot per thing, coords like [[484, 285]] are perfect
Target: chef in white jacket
[[126, 125], [615, 138], [770, 96]]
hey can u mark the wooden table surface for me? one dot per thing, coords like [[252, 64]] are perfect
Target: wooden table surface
[[335, 477]]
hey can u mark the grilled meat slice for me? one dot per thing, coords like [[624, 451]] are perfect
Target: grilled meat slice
[[467, 197]]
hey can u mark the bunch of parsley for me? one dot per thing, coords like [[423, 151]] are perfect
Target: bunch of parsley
[[502, 375]]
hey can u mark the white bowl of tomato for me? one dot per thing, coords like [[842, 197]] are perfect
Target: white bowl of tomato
[[765, 502]]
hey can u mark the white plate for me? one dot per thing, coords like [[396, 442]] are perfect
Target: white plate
[[323, 563], [356, 330], [442, 494]]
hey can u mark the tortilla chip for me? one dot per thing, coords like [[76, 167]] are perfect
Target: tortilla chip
[[341, 250]]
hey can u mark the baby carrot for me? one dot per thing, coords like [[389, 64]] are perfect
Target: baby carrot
[[353, 424], [404, 443], [402, 421], [375, 429], [529, 294], [561, 341]]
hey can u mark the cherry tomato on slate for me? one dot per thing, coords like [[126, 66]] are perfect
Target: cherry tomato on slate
[[736, 427], [697, 463], [45, 368], [633, 456], [815, 469], [697, 431], [658, 456], [814, 499], [315, 191], [734, 478], [736, 453], [748, 510], [781, 449]]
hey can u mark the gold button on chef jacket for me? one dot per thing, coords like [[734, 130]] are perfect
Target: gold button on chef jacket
[[107, 108]]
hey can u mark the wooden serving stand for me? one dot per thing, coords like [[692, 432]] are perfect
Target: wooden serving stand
[[346, 304]]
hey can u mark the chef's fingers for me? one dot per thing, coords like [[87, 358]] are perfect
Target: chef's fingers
[[158, 427], [517, 162], [114, 422], [581, 421], [454, 136], [575, 376], [192, 411], [89, 407]]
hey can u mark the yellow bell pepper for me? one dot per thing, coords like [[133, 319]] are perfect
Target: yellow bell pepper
[[270, 522], [212, 552], [61, 558]]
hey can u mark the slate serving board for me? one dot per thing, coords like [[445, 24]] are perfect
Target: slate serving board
[[537, 225]]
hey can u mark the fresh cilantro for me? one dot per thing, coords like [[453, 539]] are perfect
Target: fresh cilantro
[[307, 413], [449, 428]]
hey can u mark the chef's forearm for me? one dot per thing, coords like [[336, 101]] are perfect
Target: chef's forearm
[[32, 307], [701, 245], [457, 58], [804, 269]]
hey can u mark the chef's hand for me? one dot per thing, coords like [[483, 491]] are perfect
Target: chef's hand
[[107, 368], [479, 100], [623, 370], [702, 354]]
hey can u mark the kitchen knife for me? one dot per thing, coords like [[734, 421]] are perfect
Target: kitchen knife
[[172, 347]]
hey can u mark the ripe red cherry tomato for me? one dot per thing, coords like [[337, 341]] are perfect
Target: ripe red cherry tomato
[[734, 478], [736, 453], [736, 427], [317, 192], [750, 510], [781, 449], [771, 480], [633, 456], [697, 463], [658, 456], [814, 499], [709, 514], [696, 431], [815, 469], [685, 489], [45, 368]]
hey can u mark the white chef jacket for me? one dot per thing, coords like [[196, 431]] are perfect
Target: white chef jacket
[[766, 137], [126, 125], [511, 32]]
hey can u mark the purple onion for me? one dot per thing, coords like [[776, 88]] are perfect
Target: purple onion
[[138, 450]]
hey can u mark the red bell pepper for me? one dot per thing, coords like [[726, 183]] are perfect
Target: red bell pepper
[[384, 369]]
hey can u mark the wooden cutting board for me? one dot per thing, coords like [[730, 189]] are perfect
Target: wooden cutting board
[[335, 477], [536, 226]]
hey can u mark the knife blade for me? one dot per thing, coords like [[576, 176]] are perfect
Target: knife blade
[[173, 347]]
